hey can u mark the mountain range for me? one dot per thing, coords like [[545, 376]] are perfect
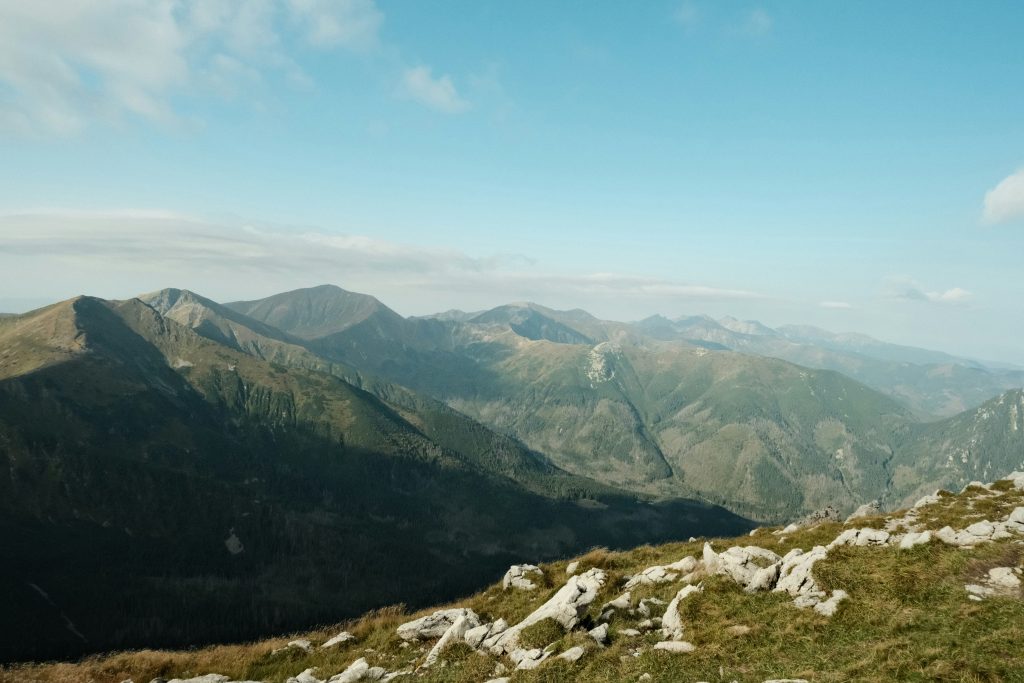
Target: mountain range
[[179, 471]]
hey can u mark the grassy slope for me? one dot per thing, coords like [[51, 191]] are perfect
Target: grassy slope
[[908, 618]]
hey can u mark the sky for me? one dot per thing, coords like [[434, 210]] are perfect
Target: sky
[[857, 166]]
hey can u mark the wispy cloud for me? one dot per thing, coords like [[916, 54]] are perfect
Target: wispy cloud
[[152, 249], [836, 305], [757, 22], [687, 15], [1005, 202], [907, 289], [66, 65], [353, 24], [419, 84]]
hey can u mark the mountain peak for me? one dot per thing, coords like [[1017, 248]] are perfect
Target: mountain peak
[[315, 312]]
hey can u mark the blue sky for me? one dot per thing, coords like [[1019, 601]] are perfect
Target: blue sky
[[856, 166]]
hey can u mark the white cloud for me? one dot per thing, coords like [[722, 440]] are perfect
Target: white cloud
[[1005, 202], [418, 83], [909, 290], [757, 23], [133, 251], [67, 64], [837, 305], [329, 23]]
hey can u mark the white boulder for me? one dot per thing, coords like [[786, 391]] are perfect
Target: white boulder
[[434, 625], [518, 576], [565, 607]]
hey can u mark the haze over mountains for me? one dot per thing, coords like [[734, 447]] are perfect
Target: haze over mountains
[[314, 454], [669, 407]]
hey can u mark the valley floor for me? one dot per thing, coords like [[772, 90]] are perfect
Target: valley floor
[[927, 594]]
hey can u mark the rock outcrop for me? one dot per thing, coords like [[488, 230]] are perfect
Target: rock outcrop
[[518, 576]]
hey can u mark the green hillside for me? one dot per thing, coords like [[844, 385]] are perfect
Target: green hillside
[[203, 494]]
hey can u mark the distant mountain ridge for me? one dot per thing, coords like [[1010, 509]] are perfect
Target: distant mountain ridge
[[668, 406]]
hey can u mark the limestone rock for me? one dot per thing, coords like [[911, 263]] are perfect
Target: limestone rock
[[1001, 581], [528, 659], [861, 537], [342, 637], [518, 576], [565, 607], [866, 510], [927, 500], [455, 633], [599, 634], [674, 646], [671, 622], [356, 671], [828, 607], [572, 654], [752, 567], [622, 602], [299, 644], [475, 636], [572, 567], [1016, 519], [435, 625], [914, 538], [1017, 478], [795, 575]]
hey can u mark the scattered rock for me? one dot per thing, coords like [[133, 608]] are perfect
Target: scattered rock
[[674, 646], [861, 537], [630, 632], [565, 607], [572, 654], [300, 644], [1001, 581], [828, 607], [927, 500], [435, 625], [1017, 478], [621, 602], [455, 633], [528, 659], [752, 567], [663, 573], [915, 538], [866, 510], [795, 575], [599, 634], [571, 568], [342, 637], [517, 576], [671, 622], [826, 514]]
